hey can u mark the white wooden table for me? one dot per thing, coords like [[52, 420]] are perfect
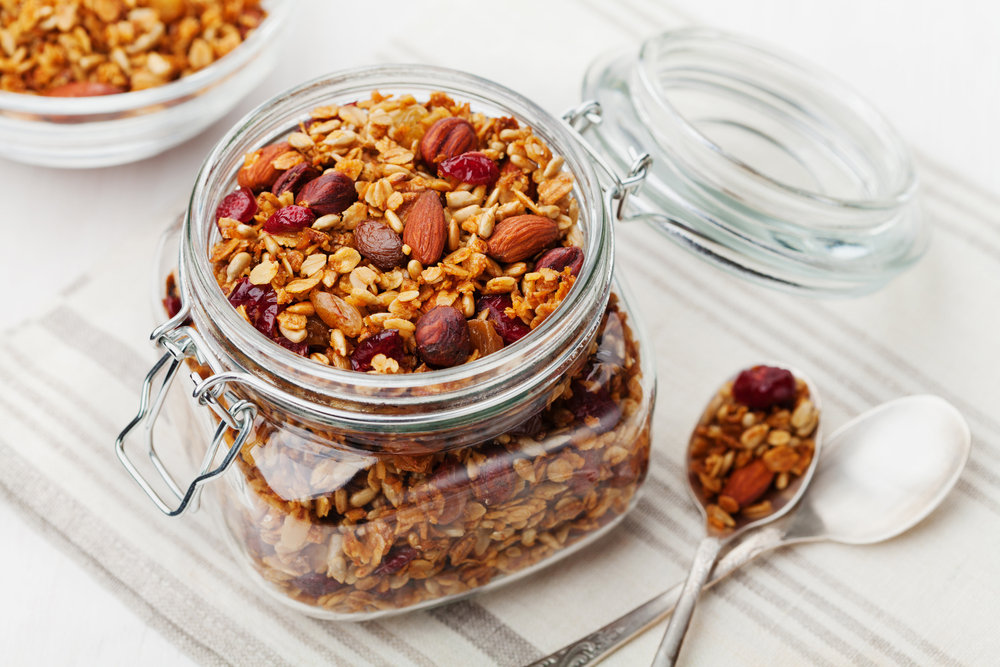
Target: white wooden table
[[931, 70]]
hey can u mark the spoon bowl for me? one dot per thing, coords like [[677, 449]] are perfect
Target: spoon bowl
[[883, 472]]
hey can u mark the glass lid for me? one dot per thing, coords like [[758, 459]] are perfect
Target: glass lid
[[774, 170]]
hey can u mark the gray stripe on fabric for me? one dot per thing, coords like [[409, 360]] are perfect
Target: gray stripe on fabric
[[79, 334], [893, 623], [87, 525], [491, 636], [383, 634], [927, 162], [859, 629], [241, 585]]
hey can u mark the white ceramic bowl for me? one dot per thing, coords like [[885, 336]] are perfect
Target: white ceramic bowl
[[115, 129]]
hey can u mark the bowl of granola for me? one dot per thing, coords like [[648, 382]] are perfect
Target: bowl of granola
[[93, 83], [412, 364]]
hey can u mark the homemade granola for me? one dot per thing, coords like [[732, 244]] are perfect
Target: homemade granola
[[396, 236], [753, 437], [351, 532], [82, 48]]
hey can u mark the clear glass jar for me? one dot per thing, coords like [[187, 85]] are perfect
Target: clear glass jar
[[356, 495]]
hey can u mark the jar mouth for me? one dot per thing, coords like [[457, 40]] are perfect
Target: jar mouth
[[395, 401], [865, 165], [108, 107]]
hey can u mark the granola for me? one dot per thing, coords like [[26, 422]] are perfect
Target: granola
[[396, 236], [753, 437], [353, 533], [78, 48]]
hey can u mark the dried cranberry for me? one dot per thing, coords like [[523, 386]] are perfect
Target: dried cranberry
[[396, 559], [763, 386], [511, 329], [588, 406], [529, 427], [558, 259], [172, 304], [293, 179], [495, 481], [588, 474], [472, 167], [316, 584], [298, 348], [289, 219], [261, 304], [239, 205], [387, 342]]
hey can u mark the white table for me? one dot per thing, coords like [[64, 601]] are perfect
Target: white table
[[932, 71]]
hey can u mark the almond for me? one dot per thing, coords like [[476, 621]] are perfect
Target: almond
[[749, 483], [258, 174], [448, 138], [425, 230], [521, 237]]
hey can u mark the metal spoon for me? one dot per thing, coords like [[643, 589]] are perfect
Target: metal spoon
[[879, 475], [716, 536]]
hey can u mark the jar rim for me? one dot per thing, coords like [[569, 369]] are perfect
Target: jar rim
[[502, 376]]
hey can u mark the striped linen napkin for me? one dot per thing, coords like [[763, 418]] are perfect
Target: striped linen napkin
[[69, 382]]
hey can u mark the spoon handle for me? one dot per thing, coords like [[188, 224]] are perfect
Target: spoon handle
[[704, 559], [598, 645]]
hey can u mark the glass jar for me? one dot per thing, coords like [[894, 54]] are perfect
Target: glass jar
[[768, 167], [356, 495]]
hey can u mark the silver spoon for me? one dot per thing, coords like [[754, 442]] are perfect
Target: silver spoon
[[717, 536], [879, 475]]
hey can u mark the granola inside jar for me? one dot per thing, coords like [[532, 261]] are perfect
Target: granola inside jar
[[357, 494]]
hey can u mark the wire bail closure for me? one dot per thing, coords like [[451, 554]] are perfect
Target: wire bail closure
[[182, 342]]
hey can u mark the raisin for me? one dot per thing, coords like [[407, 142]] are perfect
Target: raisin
[[496, 480], [289, 219], [511, 329], [379, 244], [387, 342], [593, 408], [316, 584], [293, 179], [472, 167], [396, 560], [239, 205], [558, 259], [763, 386]]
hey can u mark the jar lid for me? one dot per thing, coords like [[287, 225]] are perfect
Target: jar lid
[[775, 171]]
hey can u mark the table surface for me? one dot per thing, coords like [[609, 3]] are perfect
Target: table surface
[[931, 70]]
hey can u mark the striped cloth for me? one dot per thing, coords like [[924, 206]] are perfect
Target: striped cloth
[[69, 381]]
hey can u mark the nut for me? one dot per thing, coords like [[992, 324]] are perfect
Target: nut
[[447, 488], [337, 313], [558, 259], [521, 237], [447, 138], [379, 244], [84, 89], [495, 480], [293, 179], [748, 484], [425, 229], [257, 173], [443, 337], [484, 337], [330, 194]]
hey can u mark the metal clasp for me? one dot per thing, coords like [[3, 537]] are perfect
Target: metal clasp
[[579, 119], [233, 413]]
